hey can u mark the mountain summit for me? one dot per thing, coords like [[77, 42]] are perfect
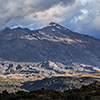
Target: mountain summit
[[53, 49]]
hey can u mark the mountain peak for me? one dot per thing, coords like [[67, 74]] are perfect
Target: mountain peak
[[56, 25], [53, 24]]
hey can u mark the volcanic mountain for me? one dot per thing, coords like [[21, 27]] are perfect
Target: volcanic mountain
[[53, 49]]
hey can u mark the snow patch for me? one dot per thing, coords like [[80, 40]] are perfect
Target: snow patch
[[54, 24], [61, 33], [53, 29], [57, 27]]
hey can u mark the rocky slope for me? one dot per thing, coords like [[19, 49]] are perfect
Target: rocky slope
[[53, 49], [61, 83]]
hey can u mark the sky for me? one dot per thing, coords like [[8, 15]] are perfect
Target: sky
[[82, 16]]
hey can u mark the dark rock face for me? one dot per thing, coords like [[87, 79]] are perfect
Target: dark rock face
[[52, 43]]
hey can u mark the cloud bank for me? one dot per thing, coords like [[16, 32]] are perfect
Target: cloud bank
[[27, 12], [78, 15]]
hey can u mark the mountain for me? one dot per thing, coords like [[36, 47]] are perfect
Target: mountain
[[51, 50]]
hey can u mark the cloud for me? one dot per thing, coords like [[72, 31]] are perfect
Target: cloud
[[26, 12], [86, 17], [78, 15]]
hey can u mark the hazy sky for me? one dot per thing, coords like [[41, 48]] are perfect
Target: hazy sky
[[82, 16]]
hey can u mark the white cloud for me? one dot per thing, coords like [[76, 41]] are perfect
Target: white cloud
[[86, 18], [84, 14], [21, 10], [83, 2]]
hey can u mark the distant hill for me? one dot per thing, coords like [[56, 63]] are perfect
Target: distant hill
[[57, 82], [51, 50], [61, 83], [89, 92]]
